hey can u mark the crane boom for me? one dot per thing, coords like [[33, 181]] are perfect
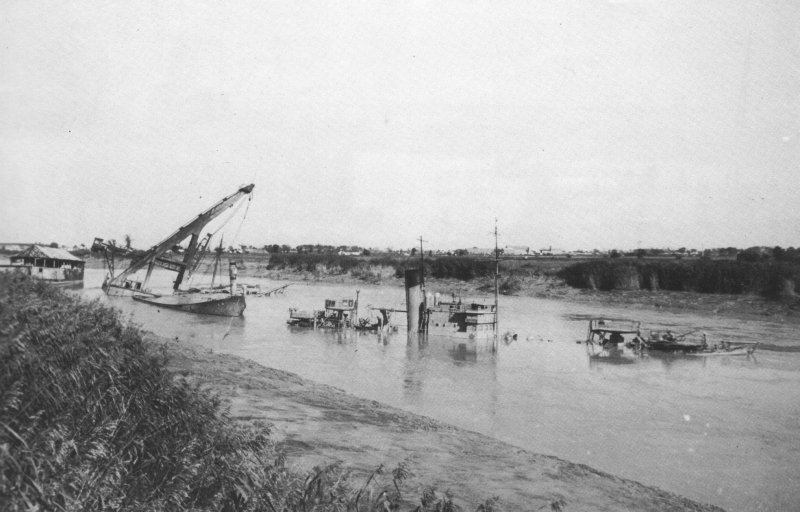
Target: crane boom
[[193, 228]]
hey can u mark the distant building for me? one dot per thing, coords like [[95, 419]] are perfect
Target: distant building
[[478, 251], [551, 252], [516, 250], [56, 266]]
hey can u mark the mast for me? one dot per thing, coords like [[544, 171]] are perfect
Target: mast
[[217, 257], [194, 262], [422, 267], [193, 228], [496, 273], [187, 258], [422, 263]]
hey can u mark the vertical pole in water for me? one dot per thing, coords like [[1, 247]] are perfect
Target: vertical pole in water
[[496, 272], [414, 298], [232, 272], [354, 320], [422, 273]]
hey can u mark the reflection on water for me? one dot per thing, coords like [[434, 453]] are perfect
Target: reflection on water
[[722, 430]]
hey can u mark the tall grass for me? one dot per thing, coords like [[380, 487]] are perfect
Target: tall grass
[[771, 279], [90, 419]]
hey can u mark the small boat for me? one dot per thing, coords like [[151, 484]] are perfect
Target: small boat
[[666, 341], [727, 349], [214, 301]]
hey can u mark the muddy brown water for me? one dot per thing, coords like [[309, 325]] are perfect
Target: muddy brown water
[[722, 430]]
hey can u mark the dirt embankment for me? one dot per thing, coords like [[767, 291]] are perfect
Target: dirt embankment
[[319, 424]]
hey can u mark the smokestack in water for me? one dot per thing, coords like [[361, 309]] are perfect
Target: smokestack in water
[[414, 298]]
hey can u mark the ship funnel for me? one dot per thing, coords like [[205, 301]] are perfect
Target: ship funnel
[[414, 298]]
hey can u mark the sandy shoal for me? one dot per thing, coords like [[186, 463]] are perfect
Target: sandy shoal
[[318, 424]]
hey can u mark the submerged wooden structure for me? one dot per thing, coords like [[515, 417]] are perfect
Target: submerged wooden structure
[[605, 340], [603, 331], [337, 314]]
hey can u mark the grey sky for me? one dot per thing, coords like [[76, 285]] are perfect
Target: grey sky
[[577, 124]]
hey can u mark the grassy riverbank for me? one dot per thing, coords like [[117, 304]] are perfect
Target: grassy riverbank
[[95, 414]]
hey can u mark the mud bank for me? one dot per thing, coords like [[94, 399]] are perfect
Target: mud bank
[[319, 424]]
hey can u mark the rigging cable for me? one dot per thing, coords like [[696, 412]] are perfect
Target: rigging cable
[[225, 222], [250, 198]]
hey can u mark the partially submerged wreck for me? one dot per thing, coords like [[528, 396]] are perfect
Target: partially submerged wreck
[[607, 337], [337, 314], [466, 325], [214, 301]]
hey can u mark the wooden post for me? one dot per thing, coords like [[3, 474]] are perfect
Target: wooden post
[[354, 321]]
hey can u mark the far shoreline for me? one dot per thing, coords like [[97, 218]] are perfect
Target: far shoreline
[[546, 286]]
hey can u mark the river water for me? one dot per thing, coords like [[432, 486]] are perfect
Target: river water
[[721, 430]]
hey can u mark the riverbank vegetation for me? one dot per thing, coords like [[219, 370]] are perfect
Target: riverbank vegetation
[[769, 278], [440, 267], [772, 275], [90, 419]]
